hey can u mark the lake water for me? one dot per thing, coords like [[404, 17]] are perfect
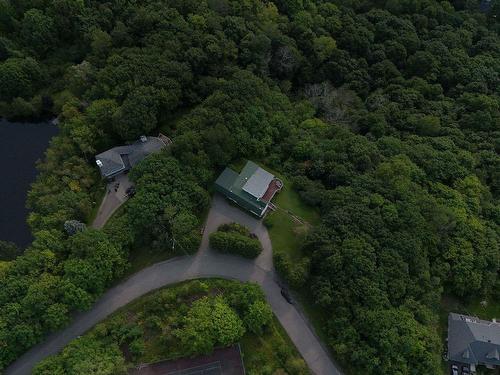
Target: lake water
[[21, 145]]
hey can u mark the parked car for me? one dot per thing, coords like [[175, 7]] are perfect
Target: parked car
[[465, 370], [130, 191], [286, 295], [454, 370]]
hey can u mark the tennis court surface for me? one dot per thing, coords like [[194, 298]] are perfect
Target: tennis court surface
[[226, 361]]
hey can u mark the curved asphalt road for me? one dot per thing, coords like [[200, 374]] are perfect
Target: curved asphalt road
[[205, 263]]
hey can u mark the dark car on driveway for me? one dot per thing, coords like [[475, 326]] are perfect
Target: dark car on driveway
[[465, 370], [130, 191]]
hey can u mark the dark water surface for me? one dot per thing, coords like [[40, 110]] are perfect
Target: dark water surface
[[21, 145]]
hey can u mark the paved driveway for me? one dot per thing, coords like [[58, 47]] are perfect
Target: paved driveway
[[206, 263], [112, 200]]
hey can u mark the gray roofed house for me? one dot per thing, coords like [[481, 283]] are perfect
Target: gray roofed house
[[120, 159], [473, 341], [258, 183]]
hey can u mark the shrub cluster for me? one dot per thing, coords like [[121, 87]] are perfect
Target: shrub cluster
[[295, 273], [235, 239], [236, 228], [188, 319]]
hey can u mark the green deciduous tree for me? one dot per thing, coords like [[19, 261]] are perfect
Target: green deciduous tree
[[38, 31], [137, 115], [258, 316], [8, 250], [324, 47], [385, 114], [93, 261], [85, 356], [19, 78], [166, 204], [209, 322]]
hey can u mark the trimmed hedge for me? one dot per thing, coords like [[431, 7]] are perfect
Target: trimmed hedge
[[236, 228], [233, 242]]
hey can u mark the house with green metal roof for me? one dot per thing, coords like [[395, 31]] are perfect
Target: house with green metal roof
[[252, 189]]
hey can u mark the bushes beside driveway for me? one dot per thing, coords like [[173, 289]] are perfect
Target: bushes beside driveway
[[237, 240]]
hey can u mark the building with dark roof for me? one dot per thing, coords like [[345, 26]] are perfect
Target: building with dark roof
[[122, 158], [473, 341], [252, 189]]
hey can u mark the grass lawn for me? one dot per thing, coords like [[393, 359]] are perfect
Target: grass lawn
[[285, 231], [488, 312], [288, 199], [286, 234]]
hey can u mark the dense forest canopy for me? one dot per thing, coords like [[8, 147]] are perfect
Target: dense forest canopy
[[386, 114]]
